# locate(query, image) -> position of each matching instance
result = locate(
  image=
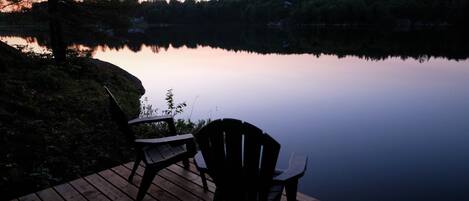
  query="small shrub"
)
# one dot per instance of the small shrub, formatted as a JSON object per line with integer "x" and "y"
{"x": 173, "y": 109}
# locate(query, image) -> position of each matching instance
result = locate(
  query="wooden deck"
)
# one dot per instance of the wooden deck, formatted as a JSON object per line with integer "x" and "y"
{"x": 171, "y": 184}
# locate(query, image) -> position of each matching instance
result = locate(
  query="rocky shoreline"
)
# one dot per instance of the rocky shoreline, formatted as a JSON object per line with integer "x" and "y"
{"x": 54, "y": 119}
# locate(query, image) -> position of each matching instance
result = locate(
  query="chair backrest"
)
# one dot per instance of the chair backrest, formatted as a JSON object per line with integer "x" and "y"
{"x": 119, "y": 116}
{"x": 240, "y": 158}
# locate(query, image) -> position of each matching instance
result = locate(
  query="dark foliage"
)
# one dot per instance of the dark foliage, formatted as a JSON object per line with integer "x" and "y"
{"x": 54, "y": 123}
{"x": 370, "y": 12}
{"x": 117, "y": 14}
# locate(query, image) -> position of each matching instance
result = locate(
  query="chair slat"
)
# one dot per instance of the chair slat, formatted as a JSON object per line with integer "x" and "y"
{"x": 252, "y": 149}
{"x": 217, "y": 141}
{"x": 270, "y": 151}
{"x": 233, "y": 146}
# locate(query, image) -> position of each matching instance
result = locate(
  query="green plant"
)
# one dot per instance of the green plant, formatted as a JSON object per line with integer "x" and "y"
{"x": 173, "y": 109}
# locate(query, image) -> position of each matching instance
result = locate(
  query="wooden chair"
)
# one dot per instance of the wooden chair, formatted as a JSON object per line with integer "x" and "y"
{"x": 157, "y": 153}
{"x": 241, "y": 160}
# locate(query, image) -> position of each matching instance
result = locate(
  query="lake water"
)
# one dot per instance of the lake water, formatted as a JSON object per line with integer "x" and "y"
{"x": 393, "y": 126}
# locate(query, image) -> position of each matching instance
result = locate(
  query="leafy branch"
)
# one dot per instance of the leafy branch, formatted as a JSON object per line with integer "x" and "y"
{"x": 172, "y": 108}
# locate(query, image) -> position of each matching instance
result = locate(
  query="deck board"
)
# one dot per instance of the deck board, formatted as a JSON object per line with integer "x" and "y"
{"x": 154, "y": 190}
{"x": 183, "y": 183}
{"x": 189, "y": 175}
{"x": 88, "y": 190}
{"x": 110, "y": 191}
{"x": 69, "y": 193}
{"x": 172, "y": 188}
{"x": 29, "y": 197}
{"x": 49, "y": 194}
{"x": 174, "y": 183}
{"x": 122, "y": 184}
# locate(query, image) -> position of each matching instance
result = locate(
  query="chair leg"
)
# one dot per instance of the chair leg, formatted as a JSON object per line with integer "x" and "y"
{"x": 291, "y": 189}
{"x": 217, "y": 195}
{"x": 148, "y": 177}
{"x": 204, "y": 180}
{"x": 134, "y": 168}
{"x": 185, "y": 163}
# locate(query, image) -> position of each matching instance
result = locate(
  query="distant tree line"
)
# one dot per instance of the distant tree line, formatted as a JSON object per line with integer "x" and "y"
{"x": 115, "y": 13}
{"x": 371, "y": 12}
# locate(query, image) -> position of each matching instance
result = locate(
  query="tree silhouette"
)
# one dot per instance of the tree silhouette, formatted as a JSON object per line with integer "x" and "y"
{"x": 55, "y": 28}
{"x": 56, "y": 34}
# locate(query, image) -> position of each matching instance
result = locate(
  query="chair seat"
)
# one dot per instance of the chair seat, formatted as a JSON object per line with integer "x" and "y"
{"x": 156, "y": 154}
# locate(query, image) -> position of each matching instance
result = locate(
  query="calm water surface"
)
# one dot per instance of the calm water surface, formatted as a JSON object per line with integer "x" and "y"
{"x": 391, "y": 129}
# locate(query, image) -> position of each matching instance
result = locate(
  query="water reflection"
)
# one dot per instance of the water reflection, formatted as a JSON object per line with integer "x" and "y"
{"x": 364, "y": 43}
{"x": 378, "y": 129}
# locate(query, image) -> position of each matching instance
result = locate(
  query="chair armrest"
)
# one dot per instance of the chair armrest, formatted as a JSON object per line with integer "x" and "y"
{"x": 150, "y": 119}
{"x": 199, "y": 162}
{"x": 166, "y": 140}
{"x": 296, "y": 169}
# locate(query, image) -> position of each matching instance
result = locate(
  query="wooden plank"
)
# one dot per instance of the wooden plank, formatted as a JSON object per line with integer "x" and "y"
{"x": 188, "y": 185}
{"x": 154, "y": 190}
{"x": 88, "y": 191}
{"x": 110, "y": 191}
{"x": 172, "y": 184}
{"x": 174, "y": 189}
{"x": 191, "y": 174}
{"x": 49, "y": 195}
{"x": 29, "y": 197}
{"x": 191, "y": 177}
{"x": 122, "y": 184}
{"x": 193, "y": 169}
{"x": 182, "y": 194}
{"x": 69, "y": 193}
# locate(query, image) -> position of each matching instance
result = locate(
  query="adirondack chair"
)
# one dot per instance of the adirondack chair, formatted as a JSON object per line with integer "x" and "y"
{"x": 241, "y": 160}
{"x": 157, "y": 153}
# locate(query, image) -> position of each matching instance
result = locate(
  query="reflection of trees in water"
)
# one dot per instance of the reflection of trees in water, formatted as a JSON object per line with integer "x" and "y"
{"x": 367, "y": 44}
{"x": 15, "y": 5}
